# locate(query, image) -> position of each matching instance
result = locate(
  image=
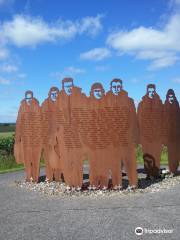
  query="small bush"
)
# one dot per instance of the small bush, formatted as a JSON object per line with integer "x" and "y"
{"x": 6, "y": 145}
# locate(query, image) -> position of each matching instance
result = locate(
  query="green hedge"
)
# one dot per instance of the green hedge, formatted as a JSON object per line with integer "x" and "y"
{"x": 6, "y": 145}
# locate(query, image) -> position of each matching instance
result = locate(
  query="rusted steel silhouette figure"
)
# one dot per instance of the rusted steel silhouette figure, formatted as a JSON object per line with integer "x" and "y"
{"x": 28, "y": 140}
{"x": 123, "y": 132}
{"x": 94, "y": 136}
{"x": 50, "y": 122}
{"x": 172, "y": 130}
{"x": 150, "y": 118}
{"x": 68, "y": 141}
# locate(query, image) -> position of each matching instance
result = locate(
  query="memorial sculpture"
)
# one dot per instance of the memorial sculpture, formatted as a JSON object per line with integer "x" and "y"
{"x": 150, "y": 119}
{"x": 50, "y": 121}
{"x": 172, "y": 130}
{"x": 103, "y": 129}
{"x": 28, "y": 139}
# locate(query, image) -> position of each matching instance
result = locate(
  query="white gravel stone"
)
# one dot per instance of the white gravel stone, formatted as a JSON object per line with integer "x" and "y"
{"x": 61, "y": 189}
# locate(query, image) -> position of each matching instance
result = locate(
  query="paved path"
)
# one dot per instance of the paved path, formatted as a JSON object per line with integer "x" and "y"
{"x": 30, "y": 215}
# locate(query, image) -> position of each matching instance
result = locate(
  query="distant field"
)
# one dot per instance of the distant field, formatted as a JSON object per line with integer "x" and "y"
{"x": 6, "y": 134}
{"x": 7, "y": 127}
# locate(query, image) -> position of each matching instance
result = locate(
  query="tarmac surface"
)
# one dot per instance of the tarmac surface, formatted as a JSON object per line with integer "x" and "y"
{"x": 30, "y": 215}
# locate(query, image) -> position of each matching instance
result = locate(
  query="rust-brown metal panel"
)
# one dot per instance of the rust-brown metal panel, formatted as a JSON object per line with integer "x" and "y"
{"x": 67, "y": 138}
{"x": 172, "y": 130}
{"x": 150, "y": 118}
{"x": 28, "y": 140}
{"x": 123, "y": 135}
{"x": 51, "y": 119}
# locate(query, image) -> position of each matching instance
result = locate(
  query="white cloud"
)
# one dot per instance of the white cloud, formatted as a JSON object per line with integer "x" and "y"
{"x": 28, "y": 31}
{"x": 160, "y": 59}
{"x": 4, "y": 81}
{"x": 177, "y": 80}
{"x": 135, "y": 80}
{"x": 22, "y": 75}
{"x": 161, "y": 46}
{"x": 74, "y": 70}
{"x": 102, "y": 68}
{"x": 8, "y": 68}
{"x": 174, "y": 3}
{"x": 6, "y": 3}
{"x": 2, "y": 2}
{"x": 91, "y": 25}
{"x": 163, "y": 62}
{"x": 4, "y": 53}
{"x": 68, "y": 72}
{"x": 96, "y": 54}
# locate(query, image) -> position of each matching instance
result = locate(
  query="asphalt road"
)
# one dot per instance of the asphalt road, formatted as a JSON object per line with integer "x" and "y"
{"x": 30, "y": 215}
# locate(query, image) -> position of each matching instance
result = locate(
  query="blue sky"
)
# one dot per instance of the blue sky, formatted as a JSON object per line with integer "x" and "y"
{"x": 41, "y": 42}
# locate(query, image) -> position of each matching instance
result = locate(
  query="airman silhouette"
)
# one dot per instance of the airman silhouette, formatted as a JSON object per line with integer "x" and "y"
{"x": 96, "y": 141}
{"x": 68, "y": 142}
{"x": 150, "y": 119}
{"x": 123, "y": 131}
{"x": 172, "y": 128}
{"x": 50, "y": 121}
{"x": 28, "y": 139}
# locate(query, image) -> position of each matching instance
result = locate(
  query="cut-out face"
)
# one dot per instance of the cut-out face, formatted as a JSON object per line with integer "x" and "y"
{"x": 151, "y": 92}
{"x": 28, "y": 97}
{"x": 98, "y": 93}
{"x": 68, "y": 87}
{"x": 171, "y": 98}
{"x": 97, "y": 90}
{"x": 53, "y": 95}
{"x": 116, "y": 87}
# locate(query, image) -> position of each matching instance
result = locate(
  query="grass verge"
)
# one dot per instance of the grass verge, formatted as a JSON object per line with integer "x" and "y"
{"x": 8, "y": 164}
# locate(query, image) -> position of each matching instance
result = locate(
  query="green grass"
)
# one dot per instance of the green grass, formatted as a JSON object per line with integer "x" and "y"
{"x": 18, "y": 168}
{"x": 8, "y": 162}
